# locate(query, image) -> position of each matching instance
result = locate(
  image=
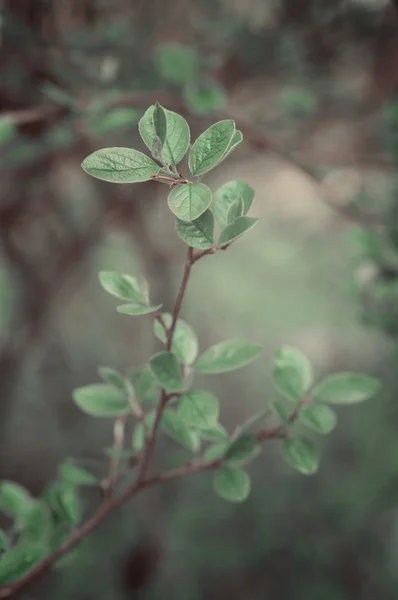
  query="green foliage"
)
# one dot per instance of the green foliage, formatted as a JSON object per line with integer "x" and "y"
{"x": 167, "y": 371}
{"x": 211, "y": 147}
{"x": 198, "y": 233}
{"x": 189, "y": 201}
{"x": 199, "y": 408}
{"x": 176, "y": 428}
{"x": 299, "y": 452}
{"x": 292, "y": 373}
{"x": 74, "y": 475}
{"x": 101, "y": 400}
{"x": 115, "y": 119}
{"x": 226, "y": 196}
{"x": 15, "y": 500}
{"x": 235, "y": 229}
{"x": 18, "y": 560}
{"x": 176, "y": 63}
{"x": 232, "y": 484}
{"x": 8, "y": 129}
{"x": 35, "y": 524}
{"x": 318, "y": 417}
{"x": 120, "y": 165}
{"x": 185, "y": 343}
{"x": 177, "y": 139}
{"x": 4, "y": 541}
{"x": 205, "y": 98}
{"x": 227, "y": 356}
{"x": 122, "y": 286}
{"x": 242, "y": 450}
{"x": 346, "y": 388}
{"x": 112, "y": 377}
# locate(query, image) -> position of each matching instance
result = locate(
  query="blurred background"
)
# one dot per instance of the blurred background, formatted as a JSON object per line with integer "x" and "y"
{"x": 313, "y": 86}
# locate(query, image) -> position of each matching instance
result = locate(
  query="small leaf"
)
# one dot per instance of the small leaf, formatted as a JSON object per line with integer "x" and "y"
{"x": 237, "y": 138}
{"x": 145, "y": 384}
{"x": 318, "y": 417}
{"x": 70, "y": 503}
{"x": 280, "y": 410}
{"x": 176, "y": 63}
{"x": 346, "y": 388}
{"x": 242, "y": 450}
{"x": 138, "y": 440}
{"x": 217, "y": 432}
{"x": 15, "y": 500}
{"x": 112, "y": 377}
{"x": 122, "y": 286}
{"x": 167, "y": 371}
{"x": 235, "y": 210}
{"x": 235, "y": 229}
{"x": 292, "y": 373}
{"x": 232, "y": 484}
{"x": 36, "y": 524}
{"x": 199, "y": 409}
{"x": 189, "y": 200}
{"x": 174, "y": 426}
{"x": 185, "y": 343}
{"x": 178, "y": 135}
{"x": 118, "y": 118}
{"x": 101, "y": 400}
{"x": 227, "y": 356}
{"x": 160, "y": 123}
{"x": 226, "y": 195}
{"x": 205, "y": 99}
{"x": 210, "y": 147}
{"x": 300, "y": 453}
{"x": 120, "y": 165}
{"x": 75, "y": 475}
{"x": 18, "y": 560}
{"x": 215, "y": 452}
{"x": 137, "y": 309}
{"x": 199, "y": 233}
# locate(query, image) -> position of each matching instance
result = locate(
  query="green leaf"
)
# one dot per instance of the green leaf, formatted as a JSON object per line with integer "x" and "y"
{"x": 167, "y": 370}
{"x": 232, "y": 484}
{"x": 280, "y": 410}
{"x": 242, "y": 450}
{"x": 226, "y": 195}
{"x": 18, "y": 560}
{"x": 4, "y": 541}
{"x": 101, "y": 400}
{"x": 300, "y": 453}
{"x": 36, "y": 524}
{"x": 217, "y": 432}
{"x": 235, "y": 229}
{"x": 176, "y": 63}
{"x": 70, "y": 503}
{"x": 120, "y": 165}
{"x": 227, "y": 356}
{"x": 237, "y": 138}
{"x": 189, "y": 200}
{"x": 8, "y": 129}
{"x": 15, "y": 500}
{"x": 292, "y": 373}
{"x": 199, "y": 233}
{"x": 137, "y": 309}
{"x": 205, "y": 99}
{"x": 346, "y": 388}
{"x": 210, "y": 147}
{"x": 318, "y": 417}
{"x": 185, "y": 343}
{"x": 178, "y": 135}
{"x": 160, "y": 123}
{"x": 118, "y": 118}
{"x": 122, "y": 286}
{"x": 75, "y": 475}
{"x": 199, "y": 409}
{"x": 174, "y": 426}
{"x": 215, "y": 452}
{"x": 112, "y": 377}
{"x": 145, "y": 384}
{"x": 139, "y": 431}
{"x": 235, "y": 210}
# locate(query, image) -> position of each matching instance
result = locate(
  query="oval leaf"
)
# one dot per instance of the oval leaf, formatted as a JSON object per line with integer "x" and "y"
{"x": 120, "y": 165}
{"x": 199, "y": 233}
{"x": 101, "y": 400}
{"x": 242, "y": 450}
{"x": 235, "y": 229}
{"x": 112, "y": 376}
{"x": 232, "y": 484}
{"x": 75, "y": 475}
{"x": 18, "y": 560}
{"x": 215, "y": 452}
{"x": 210, "y": 147}
{"x": 227, "y": 356}
{"x": 122, "y": 286}
{"x": 318, "y": 417}
{"x": 185, "y": 343}
{"x": 137, "y": 310}
{"x": 292, "y": 373}
{"x": 189, "y": 200}
{"x": 300, "y": 453}
{"x": 217, "y": 432}
{"x": 346, "y": 388}
{"x": 176, "y": 63}
{"x": 205, "y": 99}
{"x": 235, "y": 210}
{"x": 167, "y": 371}
{"x": 15, "y": 500}
{"x": 226, "y": 195}
{"x": 36, "y": 524}
{"x": 199, "y": 408}
{"x": 177, "y": 139}
{"x": 174, "y": 426}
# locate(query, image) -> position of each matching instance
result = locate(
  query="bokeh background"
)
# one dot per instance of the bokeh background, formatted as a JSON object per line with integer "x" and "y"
{"x": 311, "y": 83}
